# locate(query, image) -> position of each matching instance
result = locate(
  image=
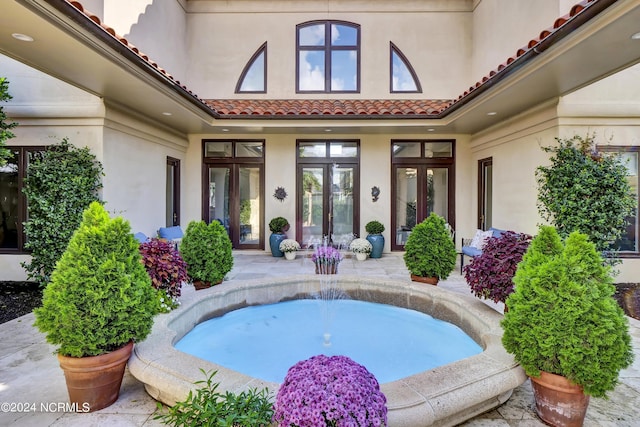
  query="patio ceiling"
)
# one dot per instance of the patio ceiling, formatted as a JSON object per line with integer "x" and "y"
{"x": 68, "y": 47}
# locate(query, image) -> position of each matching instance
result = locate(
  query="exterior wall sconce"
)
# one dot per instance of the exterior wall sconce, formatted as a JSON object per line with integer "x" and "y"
{"x": 375, "y": 193}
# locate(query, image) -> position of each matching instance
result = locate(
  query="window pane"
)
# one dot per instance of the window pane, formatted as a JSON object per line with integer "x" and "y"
{"x": 344, "y": 70}
{"x": 218, "y": 149}
{"x": 249, "y": 149}
{"x": 249, "y": 205}
{"x": 312, "y": 35}
{"x": 437, "y": 192}
{"x": 312, "y": 149}
{"x": 343, "y": 35}
{"x": 9, "y": 195}
{"x": 312, "y": 204}
{"x": 438, "y": 149}
{"x": 402, "y": 78}
{"x": 406, "y": 149}
{"x": 629, "y": 239}
{"x": 219, "y": 195}
{"x": 406, "y": 202}
{"x": 343, "y": 149}
{"x": 254, "y": 78}
{"x": 311, "y": 70}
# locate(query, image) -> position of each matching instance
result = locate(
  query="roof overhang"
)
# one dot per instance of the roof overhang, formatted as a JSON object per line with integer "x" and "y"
{"x": 74, "y": 49}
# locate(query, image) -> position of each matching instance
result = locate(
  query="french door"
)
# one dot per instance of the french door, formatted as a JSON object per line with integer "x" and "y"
{"x": 233, "y": 182}
{"x": 327, "y": 191}
{"x": 485, "y": 193}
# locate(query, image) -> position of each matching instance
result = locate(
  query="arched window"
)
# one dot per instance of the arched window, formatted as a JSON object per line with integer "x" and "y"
{"x": 403, "y": 78}
{"x": 254, "y": 75}
{"x": 328, "y": 57}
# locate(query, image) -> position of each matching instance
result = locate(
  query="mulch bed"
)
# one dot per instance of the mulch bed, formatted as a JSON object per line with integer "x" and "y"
{"x": 20, "y": 298}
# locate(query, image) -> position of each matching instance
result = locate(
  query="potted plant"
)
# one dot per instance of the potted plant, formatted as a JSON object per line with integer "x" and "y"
{"x": 207, "y": 251}
{"x": 279, "y": 227}
{"x": 98, "y": 303}
{"x": 375, "y": 237}
{"x": 289, "y": 247}
{"x": 361, "y": 247}
{"x": 564, "y": 327}
{"x": 430, "y": 254}
{"x": 326, "y": 259}
{"x": 167, "y": 270}
{"x": 490, "y": 274}
{"x": 330, "y": 391}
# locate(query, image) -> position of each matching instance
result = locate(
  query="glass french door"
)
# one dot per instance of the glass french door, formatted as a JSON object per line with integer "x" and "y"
{"x": 235, "y": 200}
{"x": 327, "y": 191}
{"x": 419, "y": 190}
{"x": 485, "y": 193}
{"x": 173, "y": 192}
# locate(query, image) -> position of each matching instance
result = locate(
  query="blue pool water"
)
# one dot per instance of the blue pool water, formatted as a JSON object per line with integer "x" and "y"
{"x": 265, "y": 341}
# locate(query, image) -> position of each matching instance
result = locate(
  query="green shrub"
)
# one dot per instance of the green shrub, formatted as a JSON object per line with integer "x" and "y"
{"x": 278, "y": 225}
{"x": 562, "y": 317}
{"x": 207, "y": 251}
{"x": 100, "y": 295}
{"x": 207, "y": 407}
{"x": 430, "y": 251}
{"x": 585, "y": 191}
{"x": 59, "y": 186}
{"x": 374, "y": 227}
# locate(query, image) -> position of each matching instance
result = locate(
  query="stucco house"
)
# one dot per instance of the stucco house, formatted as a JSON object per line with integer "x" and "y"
{"x": 201, "y": 109}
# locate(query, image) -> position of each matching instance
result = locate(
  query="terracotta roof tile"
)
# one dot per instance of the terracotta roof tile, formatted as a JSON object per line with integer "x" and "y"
{"x": 359, "y": 108}
{"x": 305, "y": 108}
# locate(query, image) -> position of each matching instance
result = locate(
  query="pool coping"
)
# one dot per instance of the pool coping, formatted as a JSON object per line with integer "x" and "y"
{"x": 447, "y": 395}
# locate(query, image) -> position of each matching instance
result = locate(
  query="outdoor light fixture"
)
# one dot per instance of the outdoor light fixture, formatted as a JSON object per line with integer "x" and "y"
{"x": 491, "y": 113}
{"x": 22, "y": 37}
{"x": 635, "y": 36}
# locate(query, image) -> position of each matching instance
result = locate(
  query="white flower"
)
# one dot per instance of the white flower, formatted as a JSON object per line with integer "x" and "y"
{"x": 361, "y": 246}
{"x": 289, "y": 245}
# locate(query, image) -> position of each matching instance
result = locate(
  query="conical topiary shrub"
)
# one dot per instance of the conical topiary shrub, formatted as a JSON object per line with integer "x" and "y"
{"x": 207, "y": 251}
{"x": 562, "y": 318}
{"x": 430, "y": 251}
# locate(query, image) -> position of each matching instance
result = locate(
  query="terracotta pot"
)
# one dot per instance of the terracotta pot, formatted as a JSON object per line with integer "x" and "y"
{"x": 326, "y": 268}
{"x": 94, "y": 382}
{"x": 428, "y": 280}
{"x": 559, "y": 402}
{"x": 199, "y": 285}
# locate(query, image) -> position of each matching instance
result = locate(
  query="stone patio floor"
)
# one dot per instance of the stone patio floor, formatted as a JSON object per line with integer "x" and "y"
{"x": 31, "y": 380}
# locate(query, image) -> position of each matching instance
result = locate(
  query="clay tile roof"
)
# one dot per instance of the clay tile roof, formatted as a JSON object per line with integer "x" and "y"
{"x": 238, "y": 108}
{"x": 306, "y": 108}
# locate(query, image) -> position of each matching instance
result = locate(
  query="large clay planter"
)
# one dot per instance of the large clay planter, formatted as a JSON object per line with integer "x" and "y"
{"x": 559, "y": 402}
{"x": 428, "y": 280}
{"x": 94, "y": 382}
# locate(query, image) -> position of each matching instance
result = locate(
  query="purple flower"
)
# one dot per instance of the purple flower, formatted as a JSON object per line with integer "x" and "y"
{"x": 326, "y": 255}
{"x": 330, "y": 391}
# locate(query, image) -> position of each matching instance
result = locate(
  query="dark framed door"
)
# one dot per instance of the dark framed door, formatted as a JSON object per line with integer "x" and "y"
{"x": 485, "y": 193}
{"x": 327, "y": 191}
{"x": 173, "y": 192}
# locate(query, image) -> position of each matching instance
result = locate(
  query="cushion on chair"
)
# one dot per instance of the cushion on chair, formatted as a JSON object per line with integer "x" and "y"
{"x": 140, "y": 237}
{"x": 170, "y": 233}
{"x": 471, "y": 251}
{"x": 480, "y": 239}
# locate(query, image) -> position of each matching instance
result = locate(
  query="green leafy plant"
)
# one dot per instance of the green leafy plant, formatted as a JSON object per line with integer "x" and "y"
{"x": 208, "y": 407}
{"x": 100, "y": 296}
{"x": 5, "y": 126}
{"x": 279, "y": 225}
{"x": 207, "y": 251}
{"x": 562, "y": 317}
{"x": 374, "y": 227}
{"x": 60, "y": 185}
{"x": 583, "y": 190}
{"x": 429, "y": 251}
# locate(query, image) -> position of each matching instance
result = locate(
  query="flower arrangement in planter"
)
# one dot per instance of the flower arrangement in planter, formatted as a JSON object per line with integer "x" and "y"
{"x": 564, "y": 326}
{"x": 328, "y": 391}
{"x": 490, "y": 274}
{"x": 361, "y": 247}
{"x": 278, "y": 227}
{"x": 289, "y": 247}
{"x": 207, "y": 251}
{"x": 166, "y": 269}
{"x": 375, "y": 237}
{"x": 326, "y": 258}
{"x": 98, "y": 303}
{"x": 430, "y": 254}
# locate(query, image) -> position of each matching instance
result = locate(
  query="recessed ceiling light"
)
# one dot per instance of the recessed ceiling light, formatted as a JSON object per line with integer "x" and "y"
{"x": 635, "y": 36}
{"x": 491, "y": 113}
{"x": 224, "y": 130}
{"x": 430, "y": 130}
{"x": 166, "y": 113}
{"x": 22, "y": 37}
{"x": 327, "y": 130}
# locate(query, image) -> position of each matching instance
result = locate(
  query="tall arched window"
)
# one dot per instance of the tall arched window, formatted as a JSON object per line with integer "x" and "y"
{"x": 254, "y": 75}
{"x": 403, "y": 77}
{"x": 328, "y": 57}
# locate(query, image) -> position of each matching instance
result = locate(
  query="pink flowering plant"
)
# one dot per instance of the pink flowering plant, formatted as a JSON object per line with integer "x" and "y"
{"x": 330, "y": 391}
{"x": 326, "y": 255}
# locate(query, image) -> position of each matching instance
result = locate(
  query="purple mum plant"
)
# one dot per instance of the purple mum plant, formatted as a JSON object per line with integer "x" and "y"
{"x": 326, "y": 255}
{"x": 490, "y": 274}
{"x": 330, "y": 391}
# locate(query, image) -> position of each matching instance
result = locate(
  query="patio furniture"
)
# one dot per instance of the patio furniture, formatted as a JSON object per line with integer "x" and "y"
{"x": 473, "y": 247}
